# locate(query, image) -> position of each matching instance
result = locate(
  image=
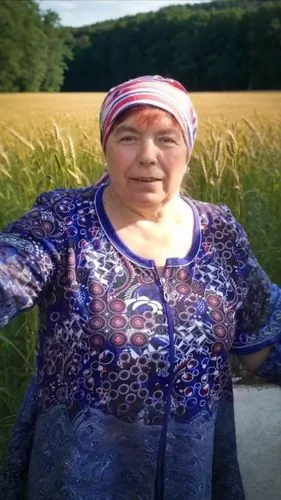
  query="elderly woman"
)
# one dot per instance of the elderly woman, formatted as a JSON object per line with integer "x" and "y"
{"x": 142, "y": 295}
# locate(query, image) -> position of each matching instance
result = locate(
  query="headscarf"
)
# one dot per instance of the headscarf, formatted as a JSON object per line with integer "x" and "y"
{"x": 163, "y": 93}
{"x": 157, "y": 91}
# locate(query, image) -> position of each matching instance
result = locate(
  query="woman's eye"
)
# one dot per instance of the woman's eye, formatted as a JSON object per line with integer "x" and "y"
{"x": 167, "y": 140}
{"x": 127, "y": 138}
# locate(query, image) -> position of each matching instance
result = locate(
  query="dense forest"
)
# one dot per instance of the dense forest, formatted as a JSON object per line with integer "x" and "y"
{"x": 220, "y": 45}
{"x": 34, "y": 48}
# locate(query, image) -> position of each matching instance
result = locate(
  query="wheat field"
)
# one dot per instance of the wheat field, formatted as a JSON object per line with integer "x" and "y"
{"x": 52, "y": 140}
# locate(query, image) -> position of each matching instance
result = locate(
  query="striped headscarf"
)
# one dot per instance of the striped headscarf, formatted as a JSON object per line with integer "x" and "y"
{"x": 163, "y": 93}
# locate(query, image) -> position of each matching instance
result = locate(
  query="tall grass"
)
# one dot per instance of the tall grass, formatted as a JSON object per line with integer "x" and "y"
{"x": 52, "y": 141}
{"x": 239, "y": 164}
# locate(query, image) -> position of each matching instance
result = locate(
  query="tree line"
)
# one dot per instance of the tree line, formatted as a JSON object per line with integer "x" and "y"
{"x": 34, "y": 48}
{"x": 221, "y": 45}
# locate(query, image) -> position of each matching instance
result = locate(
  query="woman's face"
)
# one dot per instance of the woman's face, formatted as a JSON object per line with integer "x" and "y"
{"x": 146, "y": 158}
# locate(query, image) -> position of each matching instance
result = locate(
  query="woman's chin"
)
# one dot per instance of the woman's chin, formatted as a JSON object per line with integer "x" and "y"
{"x": 147, "y": 198}
{"x": 146, "y": 190}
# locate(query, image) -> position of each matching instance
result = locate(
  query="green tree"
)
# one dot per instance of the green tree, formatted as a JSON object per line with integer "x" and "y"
{"x": 57, "y": 52}
{"x": 220, "y": 45}
{"x": 33, "y": 48}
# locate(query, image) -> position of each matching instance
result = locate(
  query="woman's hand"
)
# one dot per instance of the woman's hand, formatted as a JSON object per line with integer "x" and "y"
{"x": 254, "y": 361}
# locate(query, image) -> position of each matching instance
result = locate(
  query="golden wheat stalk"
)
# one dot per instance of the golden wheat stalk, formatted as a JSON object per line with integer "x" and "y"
{"x": 22, "y": 139}
{"x": 4, "y": 155}
{"x": 253, "y": 128}
{"x": 4, "y": 171}
{"x": 57, "y": 132}
{"x": 233, "y": 144}
{"x": 72, "y": 150}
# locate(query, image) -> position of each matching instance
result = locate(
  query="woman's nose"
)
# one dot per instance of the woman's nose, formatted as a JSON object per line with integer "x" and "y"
{"x": 147, "y": 152}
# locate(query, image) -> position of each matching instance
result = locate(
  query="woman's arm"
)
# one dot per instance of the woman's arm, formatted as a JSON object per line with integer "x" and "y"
{"x": 258, "y": 319}
{"x": 25, "y": 268}
{"x": 29, "y": 258}
{"x": 255, "y": 360}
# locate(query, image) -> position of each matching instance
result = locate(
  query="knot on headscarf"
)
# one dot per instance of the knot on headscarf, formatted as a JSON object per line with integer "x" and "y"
{"x": 157, "y": 91}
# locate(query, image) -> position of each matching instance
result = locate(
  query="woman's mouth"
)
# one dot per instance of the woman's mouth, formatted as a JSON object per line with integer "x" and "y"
{"x": 146, "y": 179}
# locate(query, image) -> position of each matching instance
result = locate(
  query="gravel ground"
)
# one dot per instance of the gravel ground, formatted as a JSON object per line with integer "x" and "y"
{"x": 258, "y": 426}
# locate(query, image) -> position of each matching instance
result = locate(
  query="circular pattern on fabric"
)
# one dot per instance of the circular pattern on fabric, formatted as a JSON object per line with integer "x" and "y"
{"x": 47, "y": 226}
{"x": 137, "y": 322}
{"x": 124, "y": 375}
{"x": 188, "y": 391}
{"x": 65, "y": 279}
{"x": 117, "y": 322}
{"x": 217, "y": 316}
{"x": 193, "y": 363}
{"x": 117, "y": 305}
{"x": 113, "y": 394}
{"x": 139, "y": 339}
{"x": 142, "y": 377}
{"x": 183, "y": 289}
{"x": 220, "y": 331}
{"x": 96, "y": 341}
{"x": 123, "y": 389}
{"x": 96, "y": 322}
{"x": 96, "y": 289}
{"x": 135, "y": 370}
{"x": 187, "y": 376}
{"x": 106, "y": 385}
{"x": 123, "y": 408}
{"x": 217, "y": 348}
{"x": 106, "y": 357}
{"x": 118, "y": 339}
{"x": 96, "y": 306}
{"x": 213, "y": 301}
{"x": 143, "y": 393}
{"x": 38, "y": 233}
{"x": 230, "y": 316}
{"x": 142, "y": 360}
{"x": 130, "y": 398}
{"x": 125, "y": 357}
{"x": 220, "y": 246}
{"x": 54, "y": 316}
{"x": 182, "y": 275}
{"x": 227, "y": 255}
{"x": 112, "y": 376}
{"x": 148, "y": 315}
{"x": 149, "y": 325}
{"x": 219, "y": 235}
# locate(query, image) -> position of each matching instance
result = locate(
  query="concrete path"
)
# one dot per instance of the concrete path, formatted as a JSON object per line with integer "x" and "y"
{"x": 258, "y": 426}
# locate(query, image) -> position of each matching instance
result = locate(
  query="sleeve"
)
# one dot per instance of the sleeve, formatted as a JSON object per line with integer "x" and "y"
{"x": 258, "y": 321}
{"x": 29, "y": 258}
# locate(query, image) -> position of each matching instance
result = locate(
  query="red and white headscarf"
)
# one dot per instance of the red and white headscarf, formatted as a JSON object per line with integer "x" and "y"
{"x": 163, "y": 93}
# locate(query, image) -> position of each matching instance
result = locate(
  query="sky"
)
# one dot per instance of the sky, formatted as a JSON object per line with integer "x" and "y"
{"x": 84, "y": 12}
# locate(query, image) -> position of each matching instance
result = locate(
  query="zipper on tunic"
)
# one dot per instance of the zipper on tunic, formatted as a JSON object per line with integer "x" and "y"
{"x": 159, "y": 489}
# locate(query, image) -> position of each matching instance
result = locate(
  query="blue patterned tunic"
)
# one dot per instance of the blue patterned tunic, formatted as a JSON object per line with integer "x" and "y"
{"x": 132, "y": 395}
